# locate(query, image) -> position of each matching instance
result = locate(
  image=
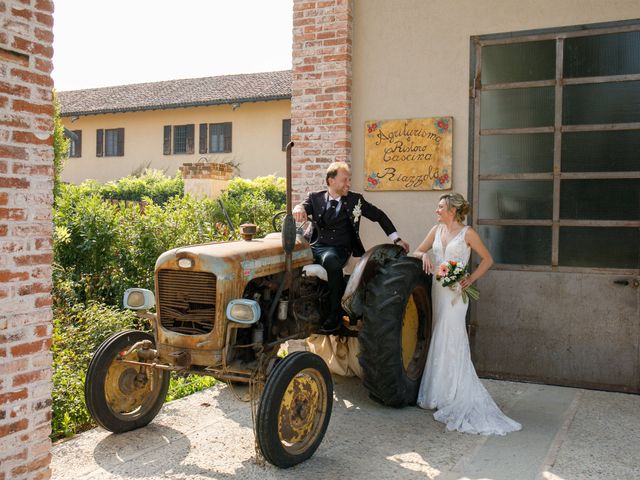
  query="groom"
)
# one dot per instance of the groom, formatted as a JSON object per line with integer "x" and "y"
{"x": 337, "y": 213}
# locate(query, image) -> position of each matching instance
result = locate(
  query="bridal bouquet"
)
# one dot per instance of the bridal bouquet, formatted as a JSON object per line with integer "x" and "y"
{"x": 450, "y": 273}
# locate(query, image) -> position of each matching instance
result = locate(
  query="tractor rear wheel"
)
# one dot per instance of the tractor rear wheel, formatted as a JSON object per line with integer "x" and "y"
{"x": 295, "y": 409}
{"x": 395, "y": 336}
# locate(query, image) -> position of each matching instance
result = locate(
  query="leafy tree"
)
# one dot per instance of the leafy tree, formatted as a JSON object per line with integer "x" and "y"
{"x": 60, "y": 146}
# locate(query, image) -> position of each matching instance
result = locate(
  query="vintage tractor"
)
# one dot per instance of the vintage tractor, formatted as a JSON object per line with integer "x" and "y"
{"x": 224, "y": 309}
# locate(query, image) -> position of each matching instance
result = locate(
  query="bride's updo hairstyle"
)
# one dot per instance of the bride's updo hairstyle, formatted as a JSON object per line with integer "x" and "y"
{"x": 457, "y": 201}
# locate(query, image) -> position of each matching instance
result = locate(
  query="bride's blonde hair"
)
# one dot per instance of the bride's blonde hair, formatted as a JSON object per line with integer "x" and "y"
{"x": 457, "y": 201}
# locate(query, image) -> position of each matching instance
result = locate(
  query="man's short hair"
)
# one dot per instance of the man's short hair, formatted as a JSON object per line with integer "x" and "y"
{"x": 332, "y": 170}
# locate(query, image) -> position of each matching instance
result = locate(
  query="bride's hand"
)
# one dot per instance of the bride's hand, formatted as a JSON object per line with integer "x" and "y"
{"x": 426, "y": 263}
{"x": 466, "y": 282}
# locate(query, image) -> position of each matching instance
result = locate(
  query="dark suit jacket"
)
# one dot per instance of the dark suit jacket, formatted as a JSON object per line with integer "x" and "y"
{"x": 357, "y": 207}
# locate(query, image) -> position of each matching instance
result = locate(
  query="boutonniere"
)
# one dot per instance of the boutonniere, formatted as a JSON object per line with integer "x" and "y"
{"x": 357, "y": 211}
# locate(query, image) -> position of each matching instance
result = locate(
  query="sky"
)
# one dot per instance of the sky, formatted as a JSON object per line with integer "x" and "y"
{"x": 99, "y": 43}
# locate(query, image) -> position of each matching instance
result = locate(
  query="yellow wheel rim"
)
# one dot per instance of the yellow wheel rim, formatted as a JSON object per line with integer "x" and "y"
{"x": 302, "y": 410}
{"x": 410, "y": 325}
{"x": 125, "y": 389}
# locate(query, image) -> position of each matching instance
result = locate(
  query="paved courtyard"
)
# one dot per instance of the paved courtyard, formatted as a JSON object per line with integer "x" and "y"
{"x": 567, "y": 434}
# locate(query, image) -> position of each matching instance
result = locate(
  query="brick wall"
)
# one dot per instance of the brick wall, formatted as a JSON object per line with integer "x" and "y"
{"x": 321, "y": 91}
{"x": 206, "y": 179}
{"x": 26, "y": 171}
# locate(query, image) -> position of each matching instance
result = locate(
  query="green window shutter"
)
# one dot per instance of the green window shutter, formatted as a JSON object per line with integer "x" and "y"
{"x": 190, "y": 138}
{"x": 227, "y": 137}
{"x": 286, "y": 132}
{"x": 99, "y": 142}
{"x": 203, "y": 138}
{"x": 78, "y": 151}
{"x": 166, "y": 144}
{"x": 120, "y": 148}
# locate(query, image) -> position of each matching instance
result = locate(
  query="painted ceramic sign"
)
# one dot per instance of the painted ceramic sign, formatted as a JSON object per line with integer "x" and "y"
{"x": 413, "y": 154}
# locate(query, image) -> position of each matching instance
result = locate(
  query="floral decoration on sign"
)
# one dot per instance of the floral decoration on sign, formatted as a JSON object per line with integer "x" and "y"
{"x": 442, "y": 125}
{"x": 372, "y": 127}
{"x": 442, "y": 181}
{"x": 372, "y": 180}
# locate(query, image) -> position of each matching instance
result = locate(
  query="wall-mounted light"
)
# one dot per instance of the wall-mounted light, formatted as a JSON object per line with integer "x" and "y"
{"x": 235, "y": 106}
{"x": 74, "y": 118}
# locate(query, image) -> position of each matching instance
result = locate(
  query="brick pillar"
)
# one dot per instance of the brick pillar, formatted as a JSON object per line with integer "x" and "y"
{"x": 205, "y": 179}
{"x": 321, "y": 91}
{"x": 26, "y": 181}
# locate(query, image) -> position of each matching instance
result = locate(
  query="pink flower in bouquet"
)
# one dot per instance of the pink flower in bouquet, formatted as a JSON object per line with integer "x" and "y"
{"x": 443, "y": 270}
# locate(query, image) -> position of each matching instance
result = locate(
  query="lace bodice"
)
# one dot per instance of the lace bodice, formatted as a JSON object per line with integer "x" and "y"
{"x": 457, "y": 249}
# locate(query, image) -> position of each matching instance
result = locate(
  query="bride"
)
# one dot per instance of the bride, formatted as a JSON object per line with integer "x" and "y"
{"x": 449, "y": 382}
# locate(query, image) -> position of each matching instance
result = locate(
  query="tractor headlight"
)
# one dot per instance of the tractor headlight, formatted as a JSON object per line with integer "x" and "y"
{"x": 139, "y": 299}
{"x": 243, "y": 311}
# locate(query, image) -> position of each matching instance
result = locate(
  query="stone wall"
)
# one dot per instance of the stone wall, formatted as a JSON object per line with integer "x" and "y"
{"x": 26, "y": 181}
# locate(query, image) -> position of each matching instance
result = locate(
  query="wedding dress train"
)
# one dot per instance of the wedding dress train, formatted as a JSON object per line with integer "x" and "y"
{"x": 449, "y": 382}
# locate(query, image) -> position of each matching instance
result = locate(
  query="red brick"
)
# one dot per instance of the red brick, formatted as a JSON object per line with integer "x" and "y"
{"x": 44, "y": 19}
{"x": 4, "y": 198}
{"x": 31, "y": 77}
{"x": 17, "y": 90}
{"x": 18, "y": 153}
{"x": 22, "y": 455}
{"x": 30, "y": 348}
{"x": 34, "y": 288}
{"x": 21, "y": 169}
{"x": 10, "y": 276}
{"x": 13, "y": 396}
{"x": 44, "y": 5}
{"x": 3, "y": 102}
{"x": 28, "y": 137}
{"x": 41, "y": 330}
{"x": 44, "y": 35}
{"x": 42, "y": 462}
{"x": 22, "y": 13}
{"x": 22, "y": 106}
{"x": 44, "y": 301}
{"x": 3, "y": 352}
{"x": 14, "y": 121}
{"x": 43, "y": 258}
{"x": 25, "y": 378}
{"x": 45, "y": 66}
{"x": 15, "y": 214}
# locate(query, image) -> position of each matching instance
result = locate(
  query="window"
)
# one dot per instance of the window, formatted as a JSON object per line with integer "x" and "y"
{"x": 110, "y": 142}
{"x": 183, "y": 139}
{"x": 215, "y": 137}
{"x": 286, "y": 132}
{"x": 556, "y": 172}
{"x": 75, "y": 144}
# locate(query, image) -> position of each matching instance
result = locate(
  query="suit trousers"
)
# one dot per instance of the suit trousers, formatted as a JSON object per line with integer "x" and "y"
{"x": 333, "y": 258}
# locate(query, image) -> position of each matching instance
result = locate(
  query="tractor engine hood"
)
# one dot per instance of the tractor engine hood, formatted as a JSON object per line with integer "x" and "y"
{"x": 240, "y": 259}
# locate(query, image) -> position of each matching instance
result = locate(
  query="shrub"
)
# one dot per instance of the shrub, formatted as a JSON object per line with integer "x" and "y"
{"x": 77, "y": 333}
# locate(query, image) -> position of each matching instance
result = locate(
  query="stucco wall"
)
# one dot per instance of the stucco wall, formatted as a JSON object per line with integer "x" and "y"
{"x": 411, "y": 60}
{"x": 256, "y": 137}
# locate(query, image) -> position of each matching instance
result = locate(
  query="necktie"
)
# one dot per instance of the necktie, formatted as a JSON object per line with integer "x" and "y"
{"x": 330, "y": 212}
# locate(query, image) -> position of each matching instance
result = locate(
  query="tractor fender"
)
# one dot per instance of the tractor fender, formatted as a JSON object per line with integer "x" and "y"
{"x": 365, "y": 270}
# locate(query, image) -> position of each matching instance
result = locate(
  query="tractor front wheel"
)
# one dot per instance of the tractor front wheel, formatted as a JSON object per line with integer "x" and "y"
{"x": 295, "y": 409}
{"x": 119, "y": 396}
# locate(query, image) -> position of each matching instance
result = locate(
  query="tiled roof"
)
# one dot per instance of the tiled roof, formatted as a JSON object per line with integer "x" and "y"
{"x": 249, "y": 87}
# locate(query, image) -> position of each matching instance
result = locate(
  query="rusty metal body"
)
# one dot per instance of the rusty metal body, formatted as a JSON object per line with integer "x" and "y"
{"x": 191, "y": 328}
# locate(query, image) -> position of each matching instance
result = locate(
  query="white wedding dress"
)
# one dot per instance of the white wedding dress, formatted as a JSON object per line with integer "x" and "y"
{"x": 449, "y": 382}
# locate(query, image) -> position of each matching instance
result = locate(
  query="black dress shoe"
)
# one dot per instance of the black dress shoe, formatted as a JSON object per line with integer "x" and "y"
{"x": 328, "y": 328}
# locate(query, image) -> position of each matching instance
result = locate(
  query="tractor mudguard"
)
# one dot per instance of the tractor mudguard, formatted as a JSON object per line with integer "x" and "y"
{"x": 365, "y": 270}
